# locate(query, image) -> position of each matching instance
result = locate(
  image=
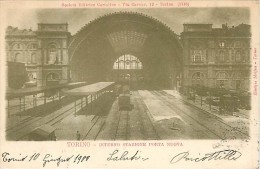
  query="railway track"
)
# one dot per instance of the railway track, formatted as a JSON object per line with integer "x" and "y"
{"x": 36, "y": 113}
{"x": 206, "y": 113}
{"x": 211, "y": 123}
{"x": 98, "y": 123}
{"x": 96, "y": 118}
{"x": 204, "y": 126}
{"x": 35, "y": 117}
{"x": 128, "y": 125}
{"x": 135, "y": 124}
{"x": 96, "y": 127}
{"x": 122, "y": 127}
{"x": 21, "y": 130}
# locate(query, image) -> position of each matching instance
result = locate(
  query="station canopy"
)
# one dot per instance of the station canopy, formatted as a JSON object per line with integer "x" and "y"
{"x": 90, "y": 89}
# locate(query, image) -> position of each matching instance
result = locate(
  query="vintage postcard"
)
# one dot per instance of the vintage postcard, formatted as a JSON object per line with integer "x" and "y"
{"x": 129, "y": 84}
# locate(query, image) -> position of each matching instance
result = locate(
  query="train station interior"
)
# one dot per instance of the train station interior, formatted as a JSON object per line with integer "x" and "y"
{"x": 126, "y": 81}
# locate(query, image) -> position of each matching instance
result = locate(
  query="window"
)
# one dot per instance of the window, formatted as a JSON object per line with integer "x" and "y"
{"x": 197, "y": 56}
{"x": 19, "y": 58}
{"x": 52, "y": 57}
{"x": 127, "y": 62}
{"x": 134, "y": 64}
{"x": 222, "y": 80}
{"x": 222, "y": 75}
{"x": 17, "y": 46}
{"x": 32, "y": 46}
{"x": 120, "y": 65}
{"x": 222, "y": 44}
{"x": 238, "y": 84}
{"x": 238, "y": 57}
{"x": 237, "y": 44}
{"x": 238, "y": 80}
{"x": 197, "y": 78}
{"x": 222, "y": 56}
{"x": 33, "y": 58}
{"x": 52, "y": 76}
{"x": 32, "y": 77}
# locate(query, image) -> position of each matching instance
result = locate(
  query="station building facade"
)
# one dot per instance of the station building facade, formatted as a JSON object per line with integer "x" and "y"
{"x": 216, "y": 57}
{"x": 212, "y": 57}
{"x": 22, "y": 47}
{"x": 44, "y": 52}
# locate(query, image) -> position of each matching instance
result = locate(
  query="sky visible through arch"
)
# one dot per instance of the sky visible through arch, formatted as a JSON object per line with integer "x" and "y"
{"x": 172, "y": 17}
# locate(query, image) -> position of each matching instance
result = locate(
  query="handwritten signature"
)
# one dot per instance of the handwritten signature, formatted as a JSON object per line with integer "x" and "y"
{"x": 47, "y": 158}
{"x": 218, "y": 155}
{"x": 126, "y": 156}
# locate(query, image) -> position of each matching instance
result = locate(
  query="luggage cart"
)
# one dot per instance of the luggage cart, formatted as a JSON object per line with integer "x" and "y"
{"x": 43, "y": 133}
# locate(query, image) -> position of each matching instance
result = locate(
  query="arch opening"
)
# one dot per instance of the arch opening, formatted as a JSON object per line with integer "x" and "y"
{"x": 94, "y": 51}
{"x": 52, "y": 79}
{"x": 127, "y": 69}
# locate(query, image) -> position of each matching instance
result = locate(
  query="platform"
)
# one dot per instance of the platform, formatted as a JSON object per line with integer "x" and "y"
{"x": 156, "y": 115}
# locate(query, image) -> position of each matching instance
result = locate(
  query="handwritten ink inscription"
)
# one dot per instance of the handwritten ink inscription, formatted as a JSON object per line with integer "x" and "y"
{"x": 47, "y": 158}
{"x": 230, "y": 155}
{"x": 126, "y": 156}
{"x": 117, "y": 155}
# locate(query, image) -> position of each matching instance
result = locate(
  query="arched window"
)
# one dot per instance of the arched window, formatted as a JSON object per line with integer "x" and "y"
{"x": 32, "y": 46}
{"x": 17, "y": 46}
{"x": 222, "y": 56}
{"x": 52, "y": 77}
{"x": 222, "y": 79}
{"x": 18, "y": 57}
{"x": 52, "y": 57}
{"x": 238, "y": 79}
{"x": 239, "y": 56}
{"x": 33, "y": 58}
{"x": 197, "y": 78}
{"x": 127, "y": 62}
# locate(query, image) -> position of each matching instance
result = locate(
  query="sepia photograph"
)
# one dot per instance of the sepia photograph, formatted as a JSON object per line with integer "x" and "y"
{"x": 127, "y": 81}
{"x": 129, "y": 75}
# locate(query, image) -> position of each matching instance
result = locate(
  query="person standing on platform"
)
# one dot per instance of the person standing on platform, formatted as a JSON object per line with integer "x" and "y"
{"x": 78, "y": 135}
